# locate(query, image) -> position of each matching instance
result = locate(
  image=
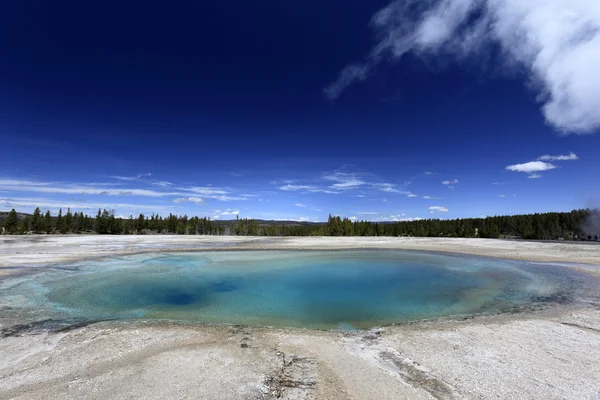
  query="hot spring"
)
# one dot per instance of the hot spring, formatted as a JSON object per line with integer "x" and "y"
{"x": 309, "y": 289}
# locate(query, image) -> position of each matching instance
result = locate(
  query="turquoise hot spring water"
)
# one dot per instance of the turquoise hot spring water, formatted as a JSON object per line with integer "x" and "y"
{"x": 307, "y": 289}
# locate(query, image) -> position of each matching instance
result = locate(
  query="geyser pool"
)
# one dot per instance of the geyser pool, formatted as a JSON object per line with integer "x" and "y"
{"x": 310, "y": 289}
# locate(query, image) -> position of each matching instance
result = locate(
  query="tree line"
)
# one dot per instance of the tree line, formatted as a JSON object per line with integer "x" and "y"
{"x": 556, "y": 225}
{"x": 106, "y": 223}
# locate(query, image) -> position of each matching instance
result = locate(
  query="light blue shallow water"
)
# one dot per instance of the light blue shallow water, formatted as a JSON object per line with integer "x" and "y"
{"x": 357, "y": 289}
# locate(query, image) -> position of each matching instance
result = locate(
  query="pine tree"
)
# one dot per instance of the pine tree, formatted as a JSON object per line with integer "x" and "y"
{"x": 140, "y": 224}
{"x": 37, "y": 224}
{"x": 98, "y": 225}
{"x": 59, "y": 220}
{"x": 47, "y": 223}
{"x": 11, "y": 225}
{"x": 25, "y": 225}
{"x": 66, "y": 222}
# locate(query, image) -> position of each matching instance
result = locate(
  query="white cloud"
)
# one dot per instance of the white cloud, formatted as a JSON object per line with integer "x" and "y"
{"x": 162, "y": 183}
{"x": 23, "y": 203}
{"x": 102, "y": 189}
{"x": 236, "y": 212}
{"x": 295, "y": 188}
{"x": 387, "y": 187}
{"x": 344, "y": 181}
{"x": 17, "y": 182}
{"x": 78, "y": 189}
{"x": 132, "y": 178}
{"x": 534, "y": 176}
{"x": 450, "y": 182}
{"x": 435, "y": 209}
{"x": 196, "y": 200}
{"x": 207, "y": 190}
{"x": 555, "y": 42}
{"x": 398, "y": 218}
{"x": 431, "y": 198}
{"x": 568, "y": 157}
{"x": 501, "y": 195}
{"x": 532, "y": 166}
{"x": 348, "y": 75}
{"x": 323, "y": 191}
{"x": 217, "y": 214}
{"x": 300, "y": 205}
{"x": 412, "y": 195}
{"x": 215, "y": 193}
{"x": 353, "y": 219}
{"x": 430, "y": 173}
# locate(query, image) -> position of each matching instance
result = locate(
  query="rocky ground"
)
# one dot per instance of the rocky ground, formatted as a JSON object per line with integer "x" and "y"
{"x": 535, "y": 357}
{"x": 548, "y": 353}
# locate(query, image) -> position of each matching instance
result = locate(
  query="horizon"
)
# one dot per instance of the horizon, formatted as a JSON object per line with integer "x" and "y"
{"x": 379, "y": 111}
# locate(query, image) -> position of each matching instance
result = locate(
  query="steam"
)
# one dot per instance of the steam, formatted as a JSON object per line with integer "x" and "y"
{"x": 555, "y": 42}
{"x": 592, "y": 223}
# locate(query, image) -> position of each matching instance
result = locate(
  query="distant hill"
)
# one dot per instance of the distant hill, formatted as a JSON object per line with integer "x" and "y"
{"x": 4, "y": 214}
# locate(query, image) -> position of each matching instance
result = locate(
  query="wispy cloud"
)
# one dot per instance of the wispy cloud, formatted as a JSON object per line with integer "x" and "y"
{"x": 341, "y": 181}
{"x": 410, "y": 219}
{"x": 132, "y": 178}
{"x": 28, "y": 203}
{"x": 162, "y": 183}
{"x": 534, "y": 176}
{"x": 434, "y": 209}
{"x": 431, "y": 198}
{"x": 209, "y": 192}
{"x": 218, "y": 214}
{"x": 397, "y": 218}
{"x": 300, "y": 205}
{"x": 387, "y": 187}
{"x": 196, "y": 200}
{"x": 295, "y": 188}
{"x": 450, "y": 182}
{"x": 555, "y": 42}
{"x": 568, "y": 157}
{"x": 101, "y": 189}
{"x": 501, "y": 195}
{"x": 78, "y": 189}
{"x": 344, "y": 181}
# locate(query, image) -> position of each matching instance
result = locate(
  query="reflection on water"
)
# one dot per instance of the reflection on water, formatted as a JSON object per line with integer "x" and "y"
{"x": 296, "y": 289}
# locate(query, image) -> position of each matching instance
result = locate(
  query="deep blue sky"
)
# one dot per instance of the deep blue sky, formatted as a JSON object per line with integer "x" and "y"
{"x": 222, "y": 103}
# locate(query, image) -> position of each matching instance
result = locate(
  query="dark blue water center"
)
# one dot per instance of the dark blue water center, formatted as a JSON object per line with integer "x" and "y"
{"x": 297, "y": 289}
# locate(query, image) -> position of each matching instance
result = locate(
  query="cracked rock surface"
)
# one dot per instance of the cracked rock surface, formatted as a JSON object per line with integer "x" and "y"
{"x": 548, "y": 355}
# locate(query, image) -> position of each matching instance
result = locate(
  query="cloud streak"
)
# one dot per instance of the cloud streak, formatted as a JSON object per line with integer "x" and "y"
{"x": 555, "y": 42}
{"x": 196, "y": 200}
{"x": 102, "y": 189}
{"x": 568, "y": 157}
